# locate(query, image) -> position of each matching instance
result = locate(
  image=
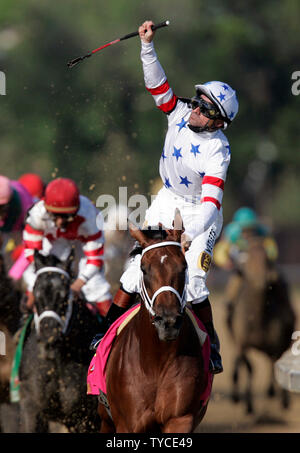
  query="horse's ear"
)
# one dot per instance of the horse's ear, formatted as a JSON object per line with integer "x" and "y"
{"x": 178, "y": 227}
{"x": 178, "y": 222}
{"x": 137, "y": 234}
{"x": 38, "y": 260}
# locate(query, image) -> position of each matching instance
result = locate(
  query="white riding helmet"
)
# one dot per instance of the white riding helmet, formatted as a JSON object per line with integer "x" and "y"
{"x": 223, "y": 96}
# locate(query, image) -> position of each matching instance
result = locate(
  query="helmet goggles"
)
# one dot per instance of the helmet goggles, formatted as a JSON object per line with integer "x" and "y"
{"x": 67, "y": 217}
{"x": 207, "y": 108}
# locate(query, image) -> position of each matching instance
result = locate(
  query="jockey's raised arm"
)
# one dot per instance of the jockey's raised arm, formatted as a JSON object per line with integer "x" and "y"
{"x": 155, "y": 78}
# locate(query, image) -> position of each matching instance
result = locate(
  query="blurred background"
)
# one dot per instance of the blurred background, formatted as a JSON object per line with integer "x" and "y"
{"x": 96, "y": 123}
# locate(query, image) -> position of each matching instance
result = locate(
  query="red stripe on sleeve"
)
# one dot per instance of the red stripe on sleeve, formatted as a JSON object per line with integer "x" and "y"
{"x": 213, "y": 200}
{"x": 214, "y": 181}
{"x": 31, "y": 230}
{"x": 33, "y": 245}
{"x": 97, "y": 263}
{"x": 96, "y": 252}
{"x": 159, "y": 90}
{"x": 30, "y": 258}
{"x": 168, "y": 106}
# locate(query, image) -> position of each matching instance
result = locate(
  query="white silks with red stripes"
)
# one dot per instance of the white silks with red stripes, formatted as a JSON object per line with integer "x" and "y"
{"x": 40, "y": 229}
{"x": 82, "y": 233}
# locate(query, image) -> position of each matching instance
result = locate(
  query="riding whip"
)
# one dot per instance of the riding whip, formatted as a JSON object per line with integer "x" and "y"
{"x": 74, "y": 62}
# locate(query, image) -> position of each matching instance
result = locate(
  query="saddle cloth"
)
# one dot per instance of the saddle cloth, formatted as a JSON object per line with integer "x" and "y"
{"x": 96, "y": 377}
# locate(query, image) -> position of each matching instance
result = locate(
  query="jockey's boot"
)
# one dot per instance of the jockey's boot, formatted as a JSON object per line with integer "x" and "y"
{"x": 204, "y": 313}
{"x": 122, "y": 301}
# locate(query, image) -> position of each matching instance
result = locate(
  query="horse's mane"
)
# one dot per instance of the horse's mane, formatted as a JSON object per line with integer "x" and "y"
{"x": 151, "y": 233}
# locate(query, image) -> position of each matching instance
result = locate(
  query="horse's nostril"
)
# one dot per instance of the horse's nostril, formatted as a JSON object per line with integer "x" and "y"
{"x": 157, "y": 320}
{"x": 168, "y": 322}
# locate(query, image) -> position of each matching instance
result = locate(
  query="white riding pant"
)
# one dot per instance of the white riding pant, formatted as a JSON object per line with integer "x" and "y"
{"x": 96, "y": 289}
{"x": 199, "y": 255}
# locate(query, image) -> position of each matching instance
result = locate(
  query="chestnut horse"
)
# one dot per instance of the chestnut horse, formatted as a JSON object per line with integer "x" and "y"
{"x": 155, "y": 372}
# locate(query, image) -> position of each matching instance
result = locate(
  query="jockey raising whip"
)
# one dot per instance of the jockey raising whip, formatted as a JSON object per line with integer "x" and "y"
{"x": 74, "y": 62}
{"x": 193, "y": 169}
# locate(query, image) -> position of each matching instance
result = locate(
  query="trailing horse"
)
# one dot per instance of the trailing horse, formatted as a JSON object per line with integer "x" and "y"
{"x": 262, "y": 318}
{"x": 10, "y": 316}
{"x": 156, "y": 374}
{"x": 56, "y": 354}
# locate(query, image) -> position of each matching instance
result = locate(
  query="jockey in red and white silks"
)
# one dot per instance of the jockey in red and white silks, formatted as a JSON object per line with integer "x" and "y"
{"x": 193, "y": 169}
{"x": 42, "y": 233}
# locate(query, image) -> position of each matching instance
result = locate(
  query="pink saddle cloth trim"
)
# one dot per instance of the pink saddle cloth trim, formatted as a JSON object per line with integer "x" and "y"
{"x": 96, "y": 378}
{"x": 18, "y": 268}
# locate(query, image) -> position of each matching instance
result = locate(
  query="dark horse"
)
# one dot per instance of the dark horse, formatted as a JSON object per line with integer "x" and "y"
{"x": 10, "y": 316}
{"x": 155, "y": 371}
{"x": 263, "y": 318}
{"x": 56, "y": 354}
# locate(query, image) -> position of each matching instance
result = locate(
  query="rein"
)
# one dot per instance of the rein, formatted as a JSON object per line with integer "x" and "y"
{"x": 149, "y": 301}
{"x": 50, "y": 313}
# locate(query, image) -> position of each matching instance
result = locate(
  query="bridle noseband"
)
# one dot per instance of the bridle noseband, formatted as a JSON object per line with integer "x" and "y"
{"x": 149, "y": 301}
{"x": 50, "y": 313}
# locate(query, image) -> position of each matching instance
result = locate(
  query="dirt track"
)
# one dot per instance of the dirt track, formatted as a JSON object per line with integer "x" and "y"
{"x": 222, "y": 415}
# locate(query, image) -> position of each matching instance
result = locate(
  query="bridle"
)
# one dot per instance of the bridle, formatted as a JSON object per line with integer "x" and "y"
{"x": 50, "y": 313}
{"x": 149, "y": 301}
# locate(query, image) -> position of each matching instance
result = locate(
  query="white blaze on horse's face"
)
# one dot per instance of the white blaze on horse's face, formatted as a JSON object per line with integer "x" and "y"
{"x": 163, "y": 259}
{"x": 50, "y": 313}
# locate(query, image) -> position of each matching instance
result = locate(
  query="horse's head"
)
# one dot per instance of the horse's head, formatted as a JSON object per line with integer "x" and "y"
{"x": 163, "y": 276}
{"x": 53, "y": 303}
